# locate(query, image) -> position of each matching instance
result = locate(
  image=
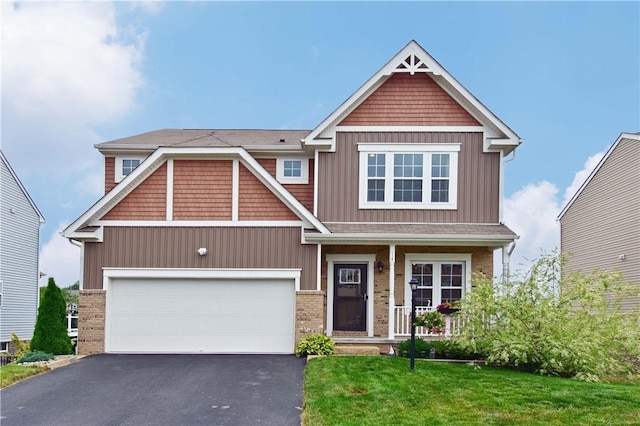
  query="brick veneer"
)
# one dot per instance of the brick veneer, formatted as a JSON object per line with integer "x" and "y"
{"x": 91, "y": 312}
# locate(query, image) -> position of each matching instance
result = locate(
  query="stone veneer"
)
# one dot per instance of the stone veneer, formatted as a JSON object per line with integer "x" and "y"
{"x": 91, "y": 317}
{"x": 309, "y": 313}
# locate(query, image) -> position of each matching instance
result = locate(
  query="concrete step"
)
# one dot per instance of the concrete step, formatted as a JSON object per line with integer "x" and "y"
{"x": 356, "y": 350}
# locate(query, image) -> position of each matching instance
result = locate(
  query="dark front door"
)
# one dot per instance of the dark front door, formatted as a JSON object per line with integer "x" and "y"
{"x": 350, "y": 297}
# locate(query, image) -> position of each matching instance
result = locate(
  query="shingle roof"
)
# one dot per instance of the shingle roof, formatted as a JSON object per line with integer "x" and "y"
{"x": 207, "y": 137}
{"x": 471, "y": 229}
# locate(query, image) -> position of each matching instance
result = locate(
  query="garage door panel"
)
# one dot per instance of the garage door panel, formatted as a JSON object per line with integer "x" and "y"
{"x": 213, "y": 316}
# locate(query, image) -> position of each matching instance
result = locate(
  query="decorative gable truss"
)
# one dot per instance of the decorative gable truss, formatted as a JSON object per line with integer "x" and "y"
{"x": 195, "y": 187}
{"x": 408, "y": 80}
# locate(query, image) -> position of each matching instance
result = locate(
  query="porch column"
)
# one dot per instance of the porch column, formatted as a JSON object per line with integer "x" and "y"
{"x": 392, "y": 297}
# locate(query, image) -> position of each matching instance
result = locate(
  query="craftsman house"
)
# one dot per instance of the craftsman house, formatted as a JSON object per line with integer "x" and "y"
{"x": 246, "y": 241}
{"x": 600, "y": 225}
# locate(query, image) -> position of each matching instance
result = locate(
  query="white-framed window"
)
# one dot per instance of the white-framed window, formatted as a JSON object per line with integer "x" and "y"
{"x": 125, "y": 165}
{"x": 442, "y": 277}
{"x": 292, "y": 170}
{"x": 408, "y": 176}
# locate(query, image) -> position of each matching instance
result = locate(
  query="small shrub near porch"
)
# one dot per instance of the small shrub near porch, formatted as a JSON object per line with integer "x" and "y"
{"x": 316, "y": 344}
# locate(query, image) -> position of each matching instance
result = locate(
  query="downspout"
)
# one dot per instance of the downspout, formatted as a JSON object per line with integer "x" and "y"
{"x": 81, "y": 246}
{"x": 506, "y": 255}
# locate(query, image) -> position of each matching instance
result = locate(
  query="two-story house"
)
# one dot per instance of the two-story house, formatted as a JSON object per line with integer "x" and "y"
{"x": 20, "y": 222}
{"x": 246, "y": 241}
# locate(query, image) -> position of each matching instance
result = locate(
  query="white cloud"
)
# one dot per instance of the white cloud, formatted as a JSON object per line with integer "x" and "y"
{"x": 66, "y": 66}
{"x": 582, "y": 175}
{"x": 60, "y": 259}
{"x": 531, "y": 212}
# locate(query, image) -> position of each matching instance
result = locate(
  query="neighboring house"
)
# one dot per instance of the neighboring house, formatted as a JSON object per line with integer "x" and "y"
{"x": 20, "y": 222}
{"x": 248, "y": 240}
{"x": 600, "y": 225}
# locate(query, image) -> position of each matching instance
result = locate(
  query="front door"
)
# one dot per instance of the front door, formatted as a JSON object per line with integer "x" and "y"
{"x": 350, "y": 297}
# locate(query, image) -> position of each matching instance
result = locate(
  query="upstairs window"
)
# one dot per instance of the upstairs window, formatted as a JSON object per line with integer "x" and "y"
{"x": 292, "y": 170}
{"x": 408, "y": 176}
{"x": 125, "y": 165}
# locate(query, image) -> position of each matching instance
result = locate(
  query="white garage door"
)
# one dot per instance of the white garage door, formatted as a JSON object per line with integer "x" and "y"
{"x": 200, "y": 315}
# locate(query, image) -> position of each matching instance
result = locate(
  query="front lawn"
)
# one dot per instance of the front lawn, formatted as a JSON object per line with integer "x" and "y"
{"x": 12, "y": 373}
{"x": 341, "y": 390}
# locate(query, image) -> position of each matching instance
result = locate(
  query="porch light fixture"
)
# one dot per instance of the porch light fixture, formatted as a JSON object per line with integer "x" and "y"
{"x": 380, "y": 266}
{"x": 414, "y": 286}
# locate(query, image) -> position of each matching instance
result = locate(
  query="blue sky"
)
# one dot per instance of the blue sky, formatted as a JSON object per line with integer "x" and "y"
{"x": 564, "y": 76}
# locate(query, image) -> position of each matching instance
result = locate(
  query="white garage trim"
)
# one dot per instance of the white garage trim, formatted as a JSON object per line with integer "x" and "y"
{"x": 108, "y": 273}
{"x": 166, "y": 310}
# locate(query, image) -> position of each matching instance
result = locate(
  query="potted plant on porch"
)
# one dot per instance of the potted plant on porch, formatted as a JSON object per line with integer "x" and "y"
{"x": 432, "y": 321}
{"x": 448, "y": 308}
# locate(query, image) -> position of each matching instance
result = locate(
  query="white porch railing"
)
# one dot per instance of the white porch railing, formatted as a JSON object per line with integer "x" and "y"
{"x": 403, "y": 323}
{"x": 72, "y": 325}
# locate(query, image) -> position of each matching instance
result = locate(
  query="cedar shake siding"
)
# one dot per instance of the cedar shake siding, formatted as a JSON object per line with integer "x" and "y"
{"x": 409, "y": 100}
{"x": 202, "y": 189}
{"x": 603, "y": 222}
{"x": 257, "y": 202}
{"x": 478, "y": 180}
{"x": 175, "y": 247}
{"x": 109, "y": 173}
{"x": 304, "y": 193}
{"x": 148, "y": 201}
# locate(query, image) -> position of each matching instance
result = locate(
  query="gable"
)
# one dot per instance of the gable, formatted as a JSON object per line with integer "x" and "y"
{"x": 409, "y": 100}
{"x": 202, "y": 189}
{"x": 148, "y": 201}
{"x": 257, "y": 202}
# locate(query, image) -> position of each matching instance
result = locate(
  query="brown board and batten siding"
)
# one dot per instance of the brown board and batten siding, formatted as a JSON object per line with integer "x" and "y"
{"x": 478, "y": 180}
{"x": 148, "y": 201}
{"x": 175, "y": 247}
{"x": 303, "y": 192}
{"x": 603, "y": 222}
{"x": 257, "y": 202}
{"x": 409, "y": 100}
{"x": 202, "y": 189}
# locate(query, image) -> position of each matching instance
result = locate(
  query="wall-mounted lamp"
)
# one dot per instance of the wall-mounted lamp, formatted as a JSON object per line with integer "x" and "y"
{"x": 380, "y": 266}
{"x": 202, "y": 251}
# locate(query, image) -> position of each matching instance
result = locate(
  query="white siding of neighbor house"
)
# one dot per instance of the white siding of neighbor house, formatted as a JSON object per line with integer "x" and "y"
{"x": 19, "y": 245}
{"x": 603, "y": 222}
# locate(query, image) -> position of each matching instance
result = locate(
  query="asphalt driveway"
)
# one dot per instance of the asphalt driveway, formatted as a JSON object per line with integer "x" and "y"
{"x": 161, "y": 390}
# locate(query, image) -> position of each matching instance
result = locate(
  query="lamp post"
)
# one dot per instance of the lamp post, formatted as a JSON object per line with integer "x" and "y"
{"x": 412, "y": 351}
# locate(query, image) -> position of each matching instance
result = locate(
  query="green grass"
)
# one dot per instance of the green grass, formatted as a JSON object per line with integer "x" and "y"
{"x": 383, "y": 391}
{"x": 12, "y": 373}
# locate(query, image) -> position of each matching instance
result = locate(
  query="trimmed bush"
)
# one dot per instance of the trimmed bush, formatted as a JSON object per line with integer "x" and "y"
{"x": 35, "y": 356}
{"x": 50, "y": 334}
{"x": 316, "y": 344}
{"x": 444, "y": 349}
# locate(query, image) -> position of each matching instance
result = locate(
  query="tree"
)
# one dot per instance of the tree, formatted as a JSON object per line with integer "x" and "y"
{"x": 50, "y": 334}
{"x": 560, "y": 325}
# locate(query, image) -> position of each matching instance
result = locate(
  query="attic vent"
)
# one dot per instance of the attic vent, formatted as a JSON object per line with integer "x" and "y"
{"x": 281, "y": 140}
{"x": 412, "y": 64}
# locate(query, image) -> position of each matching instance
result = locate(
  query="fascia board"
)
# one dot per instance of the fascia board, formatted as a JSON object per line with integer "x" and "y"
{"x": 422, "y": 239}
{"x": 156, "y": 159}
{"x": 595, "y": 170}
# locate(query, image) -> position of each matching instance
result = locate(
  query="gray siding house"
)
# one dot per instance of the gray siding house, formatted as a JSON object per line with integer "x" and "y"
{"x": 20, "y": 222}
{"x": 600, "y": 225}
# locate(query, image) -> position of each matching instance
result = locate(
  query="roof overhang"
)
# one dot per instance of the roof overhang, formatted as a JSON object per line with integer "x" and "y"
{"x": 494, "y": 241}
